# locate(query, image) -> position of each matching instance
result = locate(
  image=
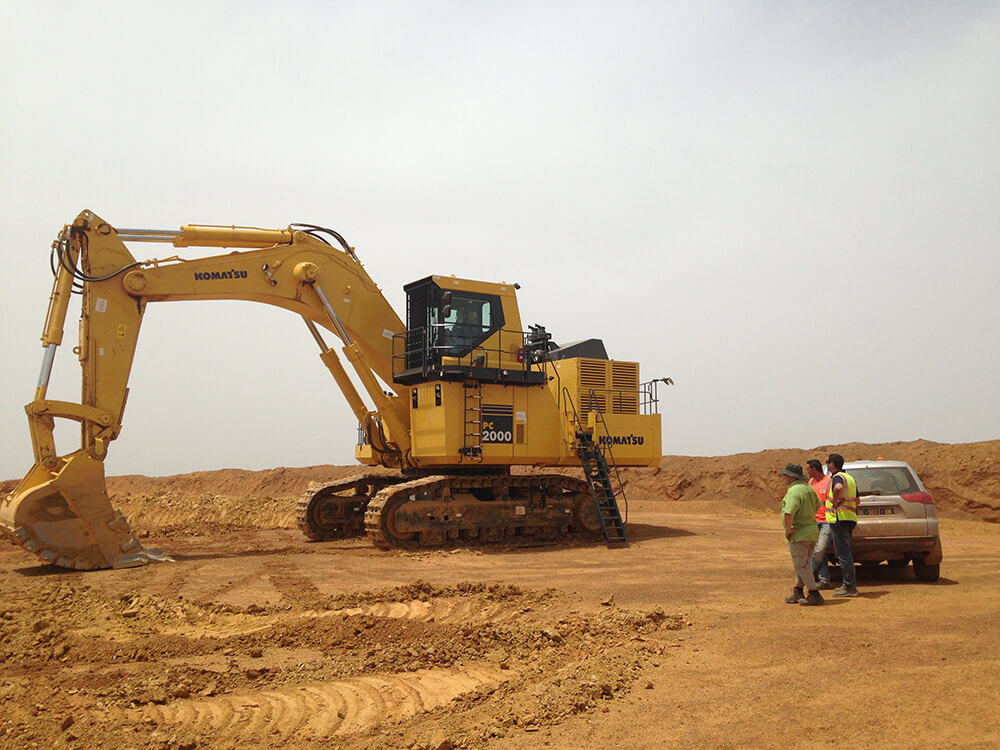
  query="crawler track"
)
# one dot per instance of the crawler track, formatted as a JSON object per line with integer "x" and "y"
{"x": 336, "y": 510}
{"x": 442, "y": 510}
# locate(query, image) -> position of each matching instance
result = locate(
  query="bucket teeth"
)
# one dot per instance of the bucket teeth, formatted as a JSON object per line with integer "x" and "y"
{"x": 133, "y": 561}
{"x": 133, "y": 554}
{"x": 64, "y": 515}
{"x": 130, "y": 546}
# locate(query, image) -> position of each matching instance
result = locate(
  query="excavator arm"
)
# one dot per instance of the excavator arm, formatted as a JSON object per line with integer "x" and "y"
{"x": 61, "y": 510}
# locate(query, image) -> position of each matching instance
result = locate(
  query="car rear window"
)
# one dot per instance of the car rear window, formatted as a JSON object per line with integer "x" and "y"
{"x": 884, "y": 480}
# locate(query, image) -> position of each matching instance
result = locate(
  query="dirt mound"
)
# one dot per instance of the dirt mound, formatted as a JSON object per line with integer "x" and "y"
{"x": 209, "y": 502}
{"x": 964, "y": 479}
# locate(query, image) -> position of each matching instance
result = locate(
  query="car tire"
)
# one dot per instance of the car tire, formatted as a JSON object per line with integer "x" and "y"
{"x": 926, "y": 573}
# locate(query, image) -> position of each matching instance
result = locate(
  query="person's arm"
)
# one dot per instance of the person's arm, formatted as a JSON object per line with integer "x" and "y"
{"x": 838, "y": 492}
{"x": 788, "y": 525}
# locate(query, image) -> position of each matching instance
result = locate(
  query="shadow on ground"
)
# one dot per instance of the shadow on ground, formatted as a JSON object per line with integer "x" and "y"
{"x": 868, "y": 575}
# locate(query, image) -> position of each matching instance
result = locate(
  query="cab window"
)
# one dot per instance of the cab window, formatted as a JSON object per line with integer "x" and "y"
{"x": 465, "y": 320}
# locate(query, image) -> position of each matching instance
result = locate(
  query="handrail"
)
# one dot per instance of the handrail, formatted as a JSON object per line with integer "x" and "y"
{"x": 576, "y": 414}
{"x": 576, "y": 418}
{"x": 609, "y": 452}
{"x": 414, "y": 350}
{"x": 617, "y": 400}
{"x": 649, "y": 401}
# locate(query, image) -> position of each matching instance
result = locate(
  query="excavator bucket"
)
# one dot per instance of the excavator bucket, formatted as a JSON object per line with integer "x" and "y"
{"x": 64, "y": 516}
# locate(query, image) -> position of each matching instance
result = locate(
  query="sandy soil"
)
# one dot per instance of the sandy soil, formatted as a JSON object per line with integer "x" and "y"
{"x": 256, "y": 638}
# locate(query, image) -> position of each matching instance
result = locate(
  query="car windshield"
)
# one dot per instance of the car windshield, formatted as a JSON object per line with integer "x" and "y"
{"x": 883, "y": 480}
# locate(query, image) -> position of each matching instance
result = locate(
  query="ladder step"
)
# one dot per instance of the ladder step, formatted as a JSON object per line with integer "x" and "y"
{"x": 595, "y": 468}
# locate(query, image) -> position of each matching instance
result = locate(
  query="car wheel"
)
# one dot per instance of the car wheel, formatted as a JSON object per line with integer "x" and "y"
{"x": 925, "y": 572}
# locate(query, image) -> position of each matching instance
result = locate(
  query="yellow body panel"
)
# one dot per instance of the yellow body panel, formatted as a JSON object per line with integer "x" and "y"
{"x": 517, "y": 425}
{"x": 532, "y": 424}
{"x": 634, "y": 439}
{"x": 606, "y": 396}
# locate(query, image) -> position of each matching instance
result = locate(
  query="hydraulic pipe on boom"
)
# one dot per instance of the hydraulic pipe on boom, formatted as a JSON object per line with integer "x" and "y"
{"x": 61, "y": 510}
{"x": 383, "y": 405}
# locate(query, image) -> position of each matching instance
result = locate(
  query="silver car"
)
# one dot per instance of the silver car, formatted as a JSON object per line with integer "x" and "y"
{"x": 897, "y": 521}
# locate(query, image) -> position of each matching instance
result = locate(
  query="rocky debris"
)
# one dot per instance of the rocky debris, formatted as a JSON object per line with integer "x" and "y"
{"x": 98, "y": 659}
{"x": 423, "y": 592}
{"x": 148, "y": 653}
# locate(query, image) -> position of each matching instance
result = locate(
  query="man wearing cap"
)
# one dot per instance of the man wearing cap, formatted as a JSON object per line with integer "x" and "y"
{"x": 798, "y": 509}
{"x": 842, "y": 515}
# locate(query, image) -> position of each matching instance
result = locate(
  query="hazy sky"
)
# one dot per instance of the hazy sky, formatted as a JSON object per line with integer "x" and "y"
{"x": 790, "y": 208}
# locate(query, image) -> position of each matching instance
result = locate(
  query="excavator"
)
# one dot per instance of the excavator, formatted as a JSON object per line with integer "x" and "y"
{"x": 460, "y": 395}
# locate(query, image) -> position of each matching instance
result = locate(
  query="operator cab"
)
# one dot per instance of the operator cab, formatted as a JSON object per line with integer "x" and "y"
{"x": 458, "y": 329}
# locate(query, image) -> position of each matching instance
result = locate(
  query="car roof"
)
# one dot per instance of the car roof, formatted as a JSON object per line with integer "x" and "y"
{"x": 874, "y": 464}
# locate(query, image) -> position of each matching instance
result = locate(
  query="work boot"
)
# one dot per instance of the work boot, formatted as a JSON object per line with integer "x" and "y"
{"x": 797, "y": 595}
{"x": 844, "y": 591}
{"x": 824, "y": 585}
{"x": 813, "y": 599}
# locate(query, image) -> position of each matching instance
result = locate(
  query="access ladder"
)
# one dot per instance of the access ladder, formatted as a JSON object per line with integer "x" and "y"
{"x": 473, "y": 445}
{"x": 595, "y": 468}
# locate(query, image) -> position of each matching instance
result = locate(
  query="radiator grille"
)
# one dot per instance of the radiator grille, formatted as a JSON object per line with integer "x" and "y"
{"x": 625, "y": 387}
{"x": 608, "y": 386}
{"x": 593, "y": 375}
{"x": 625, "y": 376}
{"x": 625, "y": 402}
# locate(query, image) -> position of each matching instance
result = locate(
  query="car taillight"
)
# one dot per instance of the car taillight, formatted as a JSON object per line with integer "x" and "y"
{"x": 918, "y": 497}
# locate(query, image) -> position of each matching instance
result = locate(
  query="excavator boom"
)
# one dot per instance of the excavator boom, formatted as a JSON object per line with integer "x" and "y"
{"x": 60, "y": 510}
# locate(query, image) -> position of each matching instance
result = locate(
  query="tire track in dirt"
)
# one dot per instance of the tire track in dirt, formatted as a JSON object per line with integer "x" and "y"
{"x": 441, "y": 611}
{"x": 222, "y": 591}
{"x": 294, "y": 587}
{"x": 317, "y": 709}
{"x": 438, "y": 611}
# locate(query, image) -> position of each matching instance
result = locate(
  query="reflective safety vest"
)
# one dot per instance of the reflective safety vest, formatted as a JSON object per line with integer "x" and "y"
{"x": 848, "y": 508}
{"x": 820, "y": 486}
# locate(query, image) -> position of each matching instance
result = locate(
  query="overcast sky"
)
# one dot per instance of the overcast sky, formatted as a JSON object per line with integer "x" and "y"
{"x": 790, "y": 208}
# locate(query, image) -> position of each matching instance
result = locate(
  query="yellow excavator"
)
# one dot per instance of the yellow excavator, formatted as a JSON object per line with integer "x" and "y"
{"x": 461, "y": 393}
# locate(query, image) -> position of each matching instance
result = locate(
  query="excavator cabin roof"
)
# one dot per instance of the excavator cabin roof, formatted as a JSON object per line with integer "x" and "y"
{"x": 460, "y": 328}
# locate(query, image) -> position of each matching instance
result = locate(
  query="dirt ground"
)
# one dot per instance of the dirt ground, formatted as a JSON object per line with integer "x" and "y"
{"x": 256, "y": 638}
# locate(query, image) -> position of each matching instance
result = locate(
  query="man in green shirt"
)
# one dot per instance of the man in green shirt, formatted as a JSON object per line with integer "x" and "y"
{"x": 798, "y": 510}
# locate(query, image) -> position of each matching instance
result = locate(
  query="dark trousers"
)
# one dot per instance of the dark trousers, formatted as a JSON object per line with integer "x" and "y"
{"x": 842, "y": 531}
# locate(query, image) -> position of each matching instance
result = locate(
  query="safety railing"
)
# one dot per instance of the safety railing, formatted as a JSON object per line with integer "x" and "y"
{"x": 649, "y": 401}
{"x": 614, "y": 400}
{"x": 425, "y": 350}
